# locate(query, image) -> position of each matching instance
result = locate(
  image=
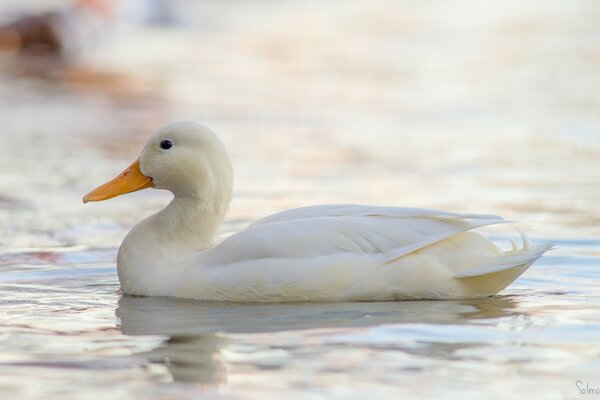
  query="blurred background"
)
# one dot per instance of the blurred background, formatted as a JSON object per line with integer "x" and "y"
{"x": 481, "y": 107}
{"x": 485, "y": 107}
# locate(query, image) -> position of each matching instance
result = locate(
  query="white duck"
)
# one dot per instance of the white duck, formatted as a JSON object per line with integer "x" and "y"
{"x": 319, "y": 253}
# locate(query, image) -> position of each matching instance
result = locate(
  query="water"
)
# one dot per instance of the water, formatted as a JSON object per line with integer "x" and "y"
{"x": 487, "y": 108}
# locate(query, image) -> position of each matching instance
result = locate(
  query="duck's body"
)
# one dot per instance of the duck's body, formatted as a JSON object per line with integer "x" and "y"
{"x": 319, "y": 253}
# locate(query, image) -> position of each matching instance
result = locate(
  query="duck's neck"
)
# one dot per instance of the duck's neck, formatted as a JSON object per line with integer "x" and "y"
{"x": 165, "y": 246}
{"x": 189, "y": 222}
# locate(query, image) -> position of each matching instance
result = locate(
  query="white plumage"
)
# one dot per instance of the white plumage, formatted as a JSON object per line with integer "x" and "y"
{"x": 319, "y": 253}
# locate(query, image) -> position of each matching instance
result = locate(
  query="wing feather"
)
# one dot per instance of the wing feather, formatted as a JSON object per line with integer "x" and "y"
{"x": 386, "y": 233}
{"x": 352, "y": 210}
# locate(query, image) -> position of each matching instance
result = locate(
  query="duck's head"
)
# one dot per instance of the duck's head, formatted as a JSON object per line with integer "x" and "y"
{"x": 183, "y": 157}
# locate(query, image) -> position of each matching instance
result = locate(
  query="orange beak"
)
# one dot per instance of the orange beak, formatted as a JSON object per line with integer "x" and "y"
{"x": 128, "y": 181}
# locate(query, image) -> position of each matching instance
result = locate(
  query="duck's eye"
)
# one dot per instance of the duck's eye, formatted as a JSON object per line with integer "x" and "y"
{"x": 166, "y": 144}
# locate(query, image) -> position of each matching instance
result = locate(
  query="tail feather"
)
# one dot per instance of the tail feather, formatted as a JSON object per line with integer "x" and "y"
{"x": 514, "y": 259}
{"x": 525, "y": 238}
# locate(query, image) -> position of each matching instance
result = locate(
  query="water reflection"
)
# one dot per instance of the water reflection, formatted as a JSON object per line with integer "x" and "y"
{"x": 193, "y": 358}
{"x": 168, "y": 316}
{"x": 197, "y": 331}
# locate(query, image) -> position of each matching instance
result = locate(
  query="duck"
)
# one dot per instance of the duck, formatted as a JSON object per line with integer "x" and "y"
{"x": 321, "y": 253}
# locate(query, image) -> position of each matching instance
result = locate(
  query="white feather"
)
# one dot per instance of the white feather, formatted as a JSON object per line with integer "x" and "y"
{"x": 318, "y": 253}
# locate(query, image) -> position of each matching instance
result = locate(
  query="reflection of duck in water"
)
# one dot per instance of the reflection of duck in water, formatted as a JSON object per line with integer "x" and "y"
{"x": 169, "y": 316}
{"x": 318, "y": 253}
{"x": 193, "y": 358}
{"x": 192, "y": 353}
